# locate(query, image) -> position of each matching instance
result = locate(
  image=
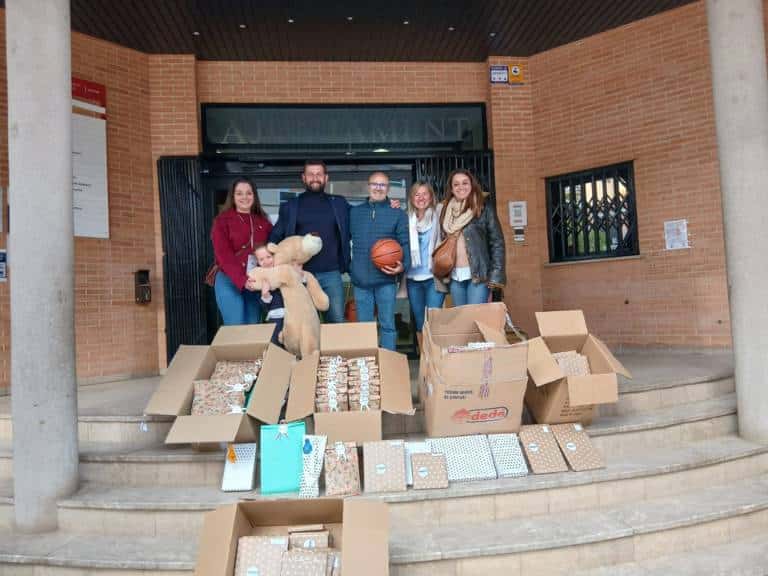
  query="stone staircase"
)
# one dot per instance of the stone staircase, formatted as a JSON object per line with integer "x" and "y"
{"x": 681, "y": 494}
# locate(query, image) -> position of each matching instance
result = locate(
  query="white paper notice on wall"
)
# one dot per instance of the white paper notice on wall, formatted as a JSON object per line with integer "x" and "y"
{"x": 676, "y": 234}
{"x": 90, "y": 200}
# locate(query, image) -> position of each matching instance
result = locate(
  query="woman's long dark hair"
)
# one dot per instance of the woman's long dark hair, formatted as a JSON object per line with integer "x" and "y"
{"x": 229, "y": 203}
{"x": 476, "y": 198}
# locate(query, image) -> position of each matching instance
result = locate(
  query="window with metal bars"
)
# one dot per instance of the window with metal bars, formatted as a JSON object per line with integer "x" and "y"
{"x": 592, "y": 214}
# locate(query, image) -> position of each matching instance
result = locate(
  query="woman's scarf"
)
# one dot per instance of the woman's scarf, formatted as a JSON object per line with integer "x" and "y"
{"x": 456, "y": 219}
{"x": 416, "y": 227}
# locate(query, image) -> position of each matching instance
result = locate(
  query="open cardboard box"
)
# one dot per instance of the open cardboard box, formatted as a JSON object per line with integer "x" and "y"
{"x": 173, "y": 396}
{"x": 351, "y": 340}
{"x": 554, "y": 398}
{"x": 359, "y": 528}
{"x": 471, "y": 391}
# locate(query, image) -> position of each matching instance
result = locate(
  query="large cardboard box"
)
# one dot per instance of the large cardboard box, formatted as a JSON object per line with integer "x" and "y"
{"x": 173, "y": 396}
{"x": 554, "y": 398}
{"x": 351, "y": 340}
{"x": 471, "y": 391}
{"x": 359, "y": 528}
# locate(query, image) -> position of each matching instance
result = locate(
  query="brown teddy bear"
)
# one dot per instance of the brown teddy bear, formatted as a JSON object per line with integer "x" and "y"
{"x": 295, "y": 249}
{"x": 302, "y": 294}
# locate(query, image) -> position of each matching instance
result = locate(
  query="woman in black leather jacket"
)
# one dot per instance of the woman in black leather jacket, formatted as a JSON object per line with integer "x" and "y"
{"x": 480, "y": 253}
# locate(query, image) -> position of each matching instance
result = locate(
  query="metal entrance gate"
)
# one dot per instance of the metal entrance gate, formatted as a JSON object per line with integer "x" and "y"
{"x": 185, "y": 251}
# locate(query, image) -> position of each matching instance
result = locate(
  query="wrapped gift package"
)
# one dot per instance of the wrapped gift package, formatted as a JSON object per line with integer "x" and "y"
{"x": 411, "y": 448}
{"x": 384, "y": 466}
{"x": 313, "y": 455}
{"x": 577, "y": 447}
{"x": 507, "y": 455}
{"x": 572, "y": 363}
{"x": 217, "y": 396}
{"x": 261, "y": 555}
{"x": 282, "y": 462}
{"x": 244, "y": 372}
{"x": 541, "y": 449}
{"x": 342, "y": 472}
{"x": 309, "y": 540}
{"x": 304, "y": 563}
{"x": 429, "y": 471}
{"x": 239, "y": 467}
{"x": 467, "y": 457}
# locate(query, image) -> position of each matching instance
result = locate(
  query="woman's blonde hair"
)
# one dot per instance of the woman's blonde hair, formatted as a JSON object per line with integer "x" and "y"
{"x": 415, "y": 188}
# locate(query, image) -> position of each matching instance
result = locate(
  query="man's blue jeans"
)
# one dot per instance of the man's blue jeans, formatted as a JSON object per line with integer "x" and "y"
{"x": 422, "y": 295}
{"x": 467, "y": 292}
{"x": 236, "y": 307}
{"x": 383, "y": 297}
{"x": 333, "y": 286}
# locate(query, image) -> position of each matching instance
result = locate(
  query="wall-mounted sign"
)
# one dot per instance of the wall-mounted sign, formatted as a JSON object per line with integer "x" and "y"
{"x": 516, "y": 74}
{"x": 3, "y": 265}
{"x": 676, "y": 234}
{"x": 90, "y": 199}
{"x": 499, "y": 74}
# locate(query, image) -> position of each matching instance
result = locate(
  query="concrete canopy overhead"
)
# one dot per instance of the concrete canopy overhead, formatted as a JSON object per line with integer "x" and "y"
{"x": 353, "y": 30}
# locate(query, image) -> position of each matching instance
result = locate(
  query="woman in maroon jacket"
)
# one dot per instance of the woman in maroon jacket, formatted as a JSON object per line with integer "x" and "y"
{"x": 241, "y": 225}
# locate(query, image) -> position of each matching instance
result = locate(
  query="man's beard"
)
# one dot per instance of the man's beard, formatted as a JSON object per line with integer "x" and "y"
{"x": 316, "y": 187}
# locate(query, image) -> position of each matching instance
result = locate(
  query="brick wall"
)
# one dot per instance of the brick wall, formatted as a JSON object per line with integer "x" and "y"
{"x": 511, "y": 119}
{"x": 114, "y": 336}
{"x": 341, "y": 82}
{"x": 643, "y": 93}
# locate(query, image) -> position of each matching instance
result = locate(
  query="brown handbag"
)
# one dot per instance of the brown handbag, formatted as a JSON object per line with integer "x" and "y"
{"x": 444, "y": 256}
{"x": 210, "y": 277}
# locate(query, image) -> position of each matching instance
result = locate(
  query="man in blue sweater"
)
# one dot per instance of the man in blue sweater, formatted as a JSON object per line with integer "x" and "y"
{"x": 315, "y": 212}
{"x": 370, "y": 221}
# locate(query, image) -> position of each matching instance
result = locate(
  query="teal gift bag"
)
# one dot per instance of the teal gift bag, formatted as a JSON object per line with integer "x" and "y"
{"x": 281, "y": 457}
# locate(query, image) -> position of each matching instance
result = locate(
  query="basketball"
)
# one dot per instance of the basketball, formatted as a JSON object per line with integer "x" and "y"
{"x": 386, "y": 252}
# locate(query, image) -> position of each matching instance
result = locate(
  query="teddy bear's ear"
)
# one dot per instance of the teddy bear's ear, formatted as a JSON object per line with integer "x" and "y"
{"x": 272, "y": 247}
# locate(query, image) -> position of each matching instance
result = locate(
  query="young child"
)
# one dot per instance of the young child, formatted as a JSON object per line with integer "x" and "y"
{"x": 272, "y": 300}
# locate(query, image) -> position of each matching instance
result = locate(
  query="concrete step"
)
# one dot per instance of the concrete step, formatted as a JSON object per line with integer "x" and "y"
{"x": 634, "y": 532}
{"x": 741, "y": 558}
{"x": 670, "y": 426}
{"x": 157, "y": 510}
{"x": 657, "y": 395}
{"x": 123, "y": 430}
{"x": 106, "y": 463}
{"x": 559, "y": 544}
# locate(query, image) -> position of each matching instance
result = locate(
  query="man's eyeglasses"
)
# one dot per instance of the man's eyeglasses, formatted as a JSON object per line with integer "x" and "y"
{"x": 378, "y": 185}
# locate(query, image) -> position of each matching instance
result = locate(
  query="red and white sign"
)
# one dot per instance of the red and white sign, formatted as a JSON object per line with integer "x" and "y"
{"x": 89, "y": 95}
{"x": 90, "y": 199}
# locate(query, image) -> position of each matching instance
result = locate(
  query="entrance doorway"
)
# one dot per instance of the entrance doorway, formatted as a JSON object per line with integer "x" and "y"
{"x": 279, "y": 182}
{"x": 192, "y": 189}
